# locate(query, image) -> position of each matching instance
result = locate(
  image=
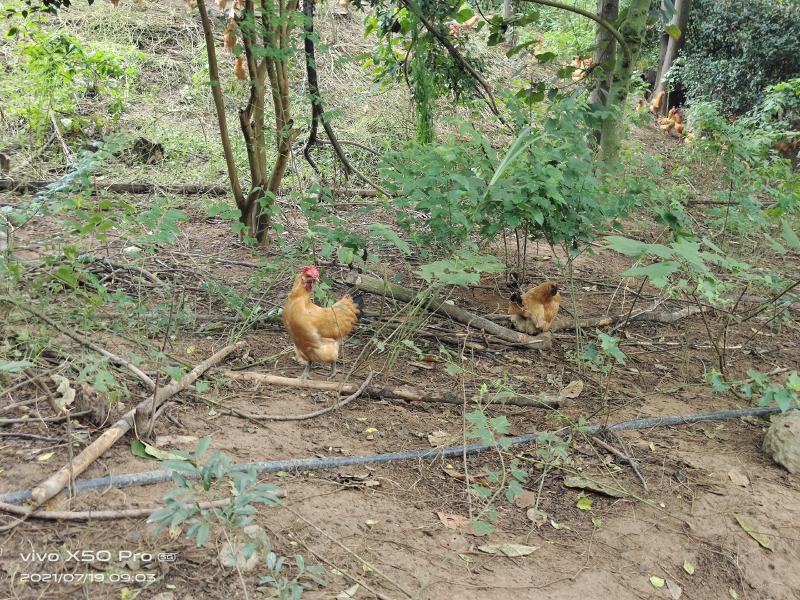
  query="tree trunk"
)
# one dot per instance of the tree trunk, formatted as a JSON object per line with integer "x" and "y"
{"x": 605, "y": 54}
{"x": 680, "y": 20}
{"x": 632, "y": 30}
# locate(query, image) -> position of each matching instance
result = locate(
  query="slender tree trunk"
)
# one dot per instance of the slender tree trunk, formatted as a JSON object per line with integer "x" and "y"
{"x": 680, "y": 20}
{"x": 632, "y": 30}
{"x": 605, "y": 54}
{"x": 219, "y": 105}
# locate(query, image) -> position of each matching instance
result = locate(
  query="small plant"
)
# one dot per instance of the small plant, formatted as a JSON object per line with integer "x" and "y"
{"x": 213, "y": 480}
{"x": 509, "y": 478}
{"x": 762, "y": 387}
{"x": 291, "y": 587}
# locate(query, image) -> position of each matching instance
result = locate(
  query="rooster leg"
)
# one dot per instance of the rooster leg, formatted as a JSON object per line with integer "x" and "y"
{"x": 306, "y": 371}
{"x": 333, "y": 371}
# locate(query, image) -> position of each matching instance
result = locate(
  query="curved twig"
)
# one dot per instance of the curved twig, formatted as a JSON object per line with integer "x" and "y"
{"x": 316, "y": 413}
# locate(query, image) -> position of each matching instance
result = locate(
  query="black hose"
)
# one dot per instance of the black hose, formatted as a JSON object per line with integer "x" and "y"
{"x": 312, "y": 464}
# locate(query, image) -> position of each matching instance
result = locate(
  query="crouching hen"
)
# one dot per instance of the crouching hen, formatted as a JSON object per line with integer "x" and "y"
{"x": 317, "y": 332}
{"x": 535, "y": 311}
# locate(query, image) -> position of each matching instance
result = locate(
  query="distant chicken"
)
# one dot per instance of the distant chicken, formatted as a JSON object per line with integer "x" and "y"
{"x": 657, "y": 102}
{"x": 317, "y": 333}
{"x": 582, "y": 67}
{"x": 672, "y": 123}
{"x": 536, "y": 310}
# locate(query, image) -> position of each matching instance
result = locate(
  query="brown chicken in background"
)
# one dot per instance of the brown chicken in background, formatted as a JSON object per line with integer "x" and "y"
{"x": 536, "y": 310}
{"x": 317, "y": 332}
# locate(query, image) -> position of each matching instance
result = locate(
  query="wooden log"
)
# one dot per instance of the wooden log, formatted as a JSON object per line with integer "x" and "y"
{"x": 373, "y": 285}
{"x": 137, "y": 415}
{"x": 406, "y": 393}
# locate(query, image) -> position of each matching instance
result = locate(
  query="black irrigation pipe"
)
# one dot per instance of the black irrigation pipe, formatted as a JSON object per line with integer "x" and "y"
{"x": 311, "y": 464}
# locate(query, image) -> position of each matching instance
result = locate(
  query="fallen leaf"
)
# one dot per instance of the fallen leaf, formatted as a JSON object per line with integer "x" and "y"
{"x": 537, "y": 517}
{"x": 752, "y": 531}
{"x": 509, "y": 550}
{"x": 738, "y": 477}
{"x": 597, "y": 522}
{"x": 44, "y": 457}
{"x": 142, "y": 450}
{"x": 657, "y": 582}
{"x": 67, "y": 393}
{"x": 421, "y": 365}
{"x": 349, "y": 593}
{"x": 572, "y": 390}
{"x": 674, "y": 590}
{"x": 733, "y": 594}
{"x": 371, "y": 522}
{"x": 688, "y": 567}
{"x": 652, "y": 447}
{"x": 525, "y": 499}
{"x": 582, "y": 483}
{"x": 584, "y": 503}
{"x": 452, "y": 521}
{"x": 479, "y": 478}
{"x": 440, "y": 438}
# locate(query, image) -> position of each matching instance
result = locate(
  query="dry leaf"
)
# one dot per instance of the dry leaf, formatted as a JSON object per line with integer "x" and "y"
{"x": 509, "y": 550}
{"x": 674, "y": 590}
{"x": 452, "y": 521}
{"x": 688, "y": 567}
{"x": 439, "y": 438}
{"x": 525, "y": 499}
{"x": 349, "y": 593}
{"x": 537, "y": 517}
{"x": 738, "y": 477}
{"x": 572, "y": 390}
{"x": 66, "y": 393}
{"x": 582, "y": 483}
{"x": 753, "y": 532}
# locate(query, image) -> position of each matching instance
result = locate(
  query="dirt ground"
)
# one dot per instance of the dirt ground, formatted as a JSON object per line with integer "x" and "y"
{"x": 387, "y": 533}
{"x": 390, "y": 528}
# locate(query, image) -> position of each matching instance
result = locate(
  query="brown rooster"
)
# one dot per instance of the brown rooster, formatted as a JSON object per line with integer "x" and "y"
{"x": 317, "y": 332}
{"x": 535, "y": 311}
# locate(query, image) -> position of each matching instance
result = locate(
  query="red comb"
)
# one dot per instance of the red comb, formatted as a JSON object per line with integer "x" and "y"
{"x": 310, "y": 271}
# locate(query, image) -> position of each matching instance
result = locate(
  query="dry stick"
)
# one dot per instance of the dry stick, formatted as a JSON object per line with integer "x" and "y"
{"x": 622, "y": 456}
{"x": 384, "y": 288}
{"x": 4, "y": 422}
{"x": 651, "y": 316}
{"x": 56, "y": 482}
{"x": 102, "y": 515}
{"x": 152, "y": 421}
{"x": 22, "y": 187}
{"x": 316, "y": 413}
{"x": 373, "y": 391}
{"x": 117, "y": 360}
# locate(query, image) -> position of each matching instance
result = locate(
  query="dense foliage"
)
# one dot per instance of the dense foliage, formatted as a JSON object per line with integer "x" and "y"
{"x": 734, "y": 50}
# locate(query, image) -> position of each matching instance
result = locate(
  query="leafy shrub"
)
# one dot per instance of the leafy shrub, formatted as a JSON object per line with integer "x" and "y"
{"x": 734, "y": 50}
{"x": 55, "y": 72}
{"x": 547, "y": 185}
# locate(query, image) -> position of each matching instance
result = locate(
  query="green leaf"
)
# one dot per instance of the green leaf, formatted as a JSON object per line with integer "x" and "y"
{"x": 635, "y": 248}
{"x": 202, "y": 446}
{"x": 673, "y": 31}
{"x": 523, "y": 139}
{"x": 610, "y": 346}
{"x": 584, "y": 503}
{"x": 753, "y": 532}
{"x": 15, "y": 366}
{"x": 142, "y": 450}
{"x": 657, "y": 582}
{"x": 657, "y": 273}
{"x": 201, "y": 386}
{"x": 789, "y": 235}
{"x": 688, "y": 567}
{"x": 482, "y": 527}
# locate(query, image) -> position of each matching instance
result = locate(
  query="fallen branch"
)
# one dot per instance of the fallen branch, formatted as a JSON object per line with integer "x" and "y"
{"x": 649, "y": 315}
{"x": 23, "y": 187}
{"x": 136, "y": 417}
{"x": 117, "y": 360}
{"x": 58, "y": 419}
{"x": 406, "y": 393}
{"x": 311, "y": 415}
{"x": 622, "y": 456}
{"x": 373, "y": 285}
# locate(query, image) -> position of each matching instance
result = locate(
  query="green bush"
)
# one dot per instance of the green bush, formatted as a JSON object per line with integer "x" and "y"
{"x": 734, "y": 50}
